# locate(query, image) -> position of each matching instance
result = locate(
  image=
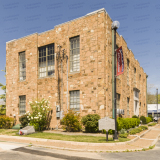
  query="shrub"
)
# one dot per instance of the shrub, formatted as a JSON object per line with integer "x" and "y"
{"x": 143, "y": 127}
{"x": 124, "y": 135}
{"x": 132, "y": 131}
{"x": 152, "y": 124}
{"x": 143, "y": 119}
{"x": 71, "y": 121}
{"x": 24, "y": 120}
{"x": 39, "y": 116}
{"x": 123, "y": 131}
{"x": 138, "y": 130}
{"x": 6, "y": 122}
{"x": 110, "y": 131}
{"x": 135, "y": 130}
{"x": 148, "y": 119}
{"x": 151, "y": 117}
{"x": 127, "y": 123}
{"x": 90, "y": 122}
{"x": 134, "y": 116}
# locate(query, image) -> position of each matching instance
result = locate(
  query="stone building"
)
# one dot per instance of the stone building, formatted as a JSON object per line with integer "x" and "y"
{"x": 34, "y": 70}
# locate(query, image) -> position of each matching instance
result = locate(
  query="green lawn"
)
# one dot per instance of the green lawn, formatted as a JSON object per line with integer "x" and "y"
{"x": 76, "y": 138}
{"x": 10, "y": 132}
{"x": 54, "y": 136}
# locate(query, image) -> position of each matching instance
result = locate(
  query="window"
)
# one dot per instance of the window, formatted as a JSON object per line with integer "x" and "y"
{"x": 46, "y": 61}
{"x": 127, "y": 106}
{"x": 22, "y": 66}
{"x": 136, "y": 104}
{"x": 22, "y": 105}
{"x": 134, "y": 75}
{"x": 136, "y": 94}
{"x": 118, "y": 101}
{"x": 128, "y": 71}
{"x": 74, "y": 54}
{"x": 75, "y": 100}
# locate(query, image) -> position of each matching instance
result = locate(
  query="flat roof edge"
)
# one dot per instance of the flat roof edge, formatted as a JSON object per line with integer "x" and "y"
{"x": 21, "y": 38}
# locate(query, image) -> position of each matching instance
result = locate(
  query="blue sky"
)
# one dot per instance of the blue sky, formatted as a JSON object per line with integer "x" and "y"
{"x": 139, "y": 25}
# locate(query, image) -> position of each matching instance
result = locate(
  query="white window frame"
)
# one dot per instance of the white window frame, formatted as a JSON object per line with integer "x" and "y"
{"x": 74, "y": 58}
{"x": 75, "y": 100}
{"x": 22, "y": 66}
{"x": 22, "y": 105}
{"x": 46, "y": 61}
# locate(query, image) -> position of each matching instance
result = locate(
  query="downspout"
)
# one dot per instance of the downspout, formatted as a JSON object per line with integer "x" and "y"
{"x": 112, "y": 73}
{"x": 67, "y": 84}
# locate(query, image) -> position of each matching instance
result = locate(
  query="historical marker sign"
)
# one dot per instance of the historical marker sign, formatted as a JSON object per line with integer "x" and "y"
{"x": 106, "y": 123}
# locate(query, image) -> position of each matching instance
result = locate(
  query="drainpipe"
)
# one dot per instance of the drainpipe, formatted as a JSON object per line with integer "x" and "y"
{"x": 113, "y": 52}
{"x": 67, "y": 83}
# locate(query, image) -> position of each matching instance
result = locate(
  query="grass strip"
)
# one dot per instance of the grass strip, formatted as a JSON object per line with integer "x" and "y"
{"x": 76, "y": 138}
{"x": 55, "y": 136}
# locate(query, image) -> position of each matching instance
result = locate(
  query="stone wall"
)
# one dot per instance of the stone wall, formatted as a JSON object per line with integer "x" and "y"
{"x": 94, "y": 79}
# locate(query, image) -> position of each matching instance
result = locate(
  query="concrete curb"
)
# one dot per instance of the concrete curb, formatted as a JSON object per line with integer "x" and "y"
{"x": 84, "y": 145}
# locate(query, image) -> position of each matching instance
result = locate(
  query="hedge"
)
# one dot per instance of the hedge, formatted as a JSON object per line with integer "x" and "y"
{"x": 127, "y": 123}
{"x": 145, "y": 120}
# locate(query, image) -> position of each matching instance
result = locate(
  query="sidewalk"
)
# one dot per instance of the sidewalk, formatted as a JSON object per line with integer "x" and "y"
{"x": 141, "y": 141}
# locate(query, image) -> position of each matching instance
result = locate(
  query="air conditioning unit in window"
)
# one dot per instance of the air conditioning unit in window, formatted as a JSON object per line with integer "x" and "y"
{"x": 120, "y": 111}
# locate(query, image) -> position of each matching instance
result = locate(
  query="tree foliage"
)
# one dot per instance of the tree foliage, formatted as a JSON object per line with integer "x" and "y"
{"x": 152, "y": 95}
{"x": 3, "y": 97}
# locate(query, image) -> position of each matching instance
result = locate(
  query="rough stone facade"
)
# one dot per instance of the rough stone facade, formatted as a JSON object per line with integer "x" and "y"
{"x": 94, "y": 79}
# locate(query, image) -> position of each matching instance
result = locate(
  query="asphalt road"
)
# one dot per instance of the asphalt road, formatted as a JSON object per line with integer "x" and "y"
{"x": 16, "y": 151}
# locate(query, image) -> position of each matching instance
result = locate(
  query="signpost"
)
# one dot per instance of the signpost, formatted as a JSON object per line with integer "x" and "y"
{"x": 107, "y": 124}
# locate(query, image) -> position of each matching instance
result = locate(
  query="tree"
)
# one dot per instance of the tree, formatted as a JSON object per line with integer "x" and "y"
{"x": 3, "y": 97}
{"x": 152, "y": 97}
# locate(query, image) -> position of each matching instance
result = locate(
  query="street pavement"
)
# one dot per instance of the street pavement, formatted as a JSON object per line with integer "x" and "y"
{"x": 15, "y": 151}
{"x": 26, "y": 148}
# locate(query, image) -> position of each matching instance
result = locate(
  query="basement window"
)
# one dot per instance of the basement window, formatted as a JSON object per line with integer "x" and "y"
{"x": 22, "y": 66}
{"x": 22, "y": 105}
{"x": 75, "y": 100}
{"x": 46, "y": 61}
{"x": 74, "y": 54}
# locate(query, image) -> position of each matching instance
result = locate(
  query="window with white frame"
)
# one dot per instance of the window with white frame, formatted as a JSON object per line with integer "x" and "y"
{"x": 46, "y": 61}
{"x": 22, "y": 66}
{"x": 136, "y": 105}
{"x": 75, "y": 54}
{"x": 22, "y": 105}
{"x": 128, "y": 71}
{"x": 118, "y": 101}
{"x": 127, "y": 106}
{"x": 75, "y": 100}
